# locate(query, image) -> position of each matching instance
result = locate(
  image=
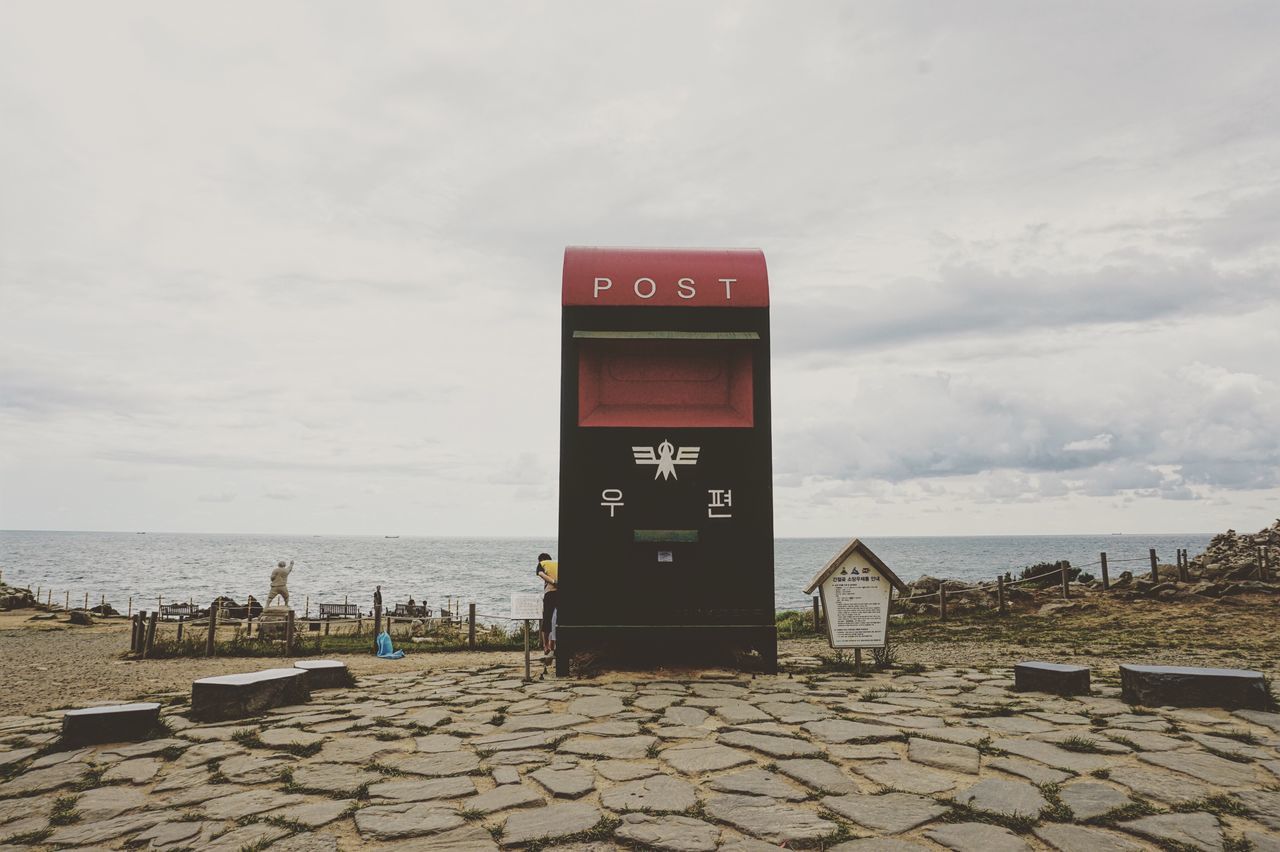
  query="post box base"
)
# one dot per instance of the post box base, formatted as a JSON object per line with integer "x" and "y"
{"x": 665, "y": 643}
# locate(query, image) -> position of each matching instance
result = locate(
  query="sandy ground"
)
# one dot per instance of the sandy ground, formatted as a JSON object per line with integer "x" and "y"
{"x": 46, "y": 665}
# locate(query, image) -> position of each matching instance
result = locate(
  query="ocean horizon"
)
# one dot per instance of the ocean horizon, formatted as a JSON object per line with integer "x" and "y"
{"x": 484, "y": 570}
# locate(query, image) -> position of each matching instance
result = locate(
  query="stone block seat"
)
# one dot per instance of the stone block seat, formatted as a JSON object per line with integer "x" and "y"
{"x": 111, "y": 724}
{"x": 250, "y": 694}
{"x": 325, "y": 674}
{"x": 1185, "y": 686}
{"x": 1059, "y": 679}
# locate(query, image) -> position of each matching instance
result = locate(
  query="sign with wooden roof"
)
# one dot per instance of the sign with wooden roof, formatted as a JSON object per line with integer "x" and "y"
{"x": 855, "y": 587}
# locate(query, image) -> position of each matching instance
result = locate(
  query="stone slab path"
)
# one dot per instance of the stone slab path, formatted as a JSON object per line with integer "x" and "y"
{"x": 476, "y": 759}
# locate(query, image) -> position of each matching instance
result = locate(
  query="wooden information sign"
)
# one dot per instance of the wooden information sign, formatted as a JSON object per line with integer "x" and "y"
{"x": 855, "y": 588}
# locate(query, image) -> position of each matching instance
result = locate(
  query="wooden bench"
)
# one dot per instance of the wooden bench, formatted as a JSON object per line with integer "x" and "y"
{"x": 325, "y": 674}
{"x": 1035, "y": 676}
{"x": 239, "y": 695}
{"x": 174, "y": 610}
{"x": 339, "y": 610}
{"x": 110, "y": 724}
{"x": 1185, "y": 686}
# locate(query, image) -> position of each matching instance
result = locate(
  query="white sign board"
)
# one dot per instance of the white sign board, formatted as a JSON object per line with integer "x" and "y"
{"x": 526, "y": 605}
{"x": 855, "y": 598}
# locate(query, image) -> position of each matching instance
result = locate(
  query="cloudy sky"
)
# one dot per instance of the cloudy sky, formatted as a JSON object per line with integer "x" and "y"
{"x": 277, "y": 267}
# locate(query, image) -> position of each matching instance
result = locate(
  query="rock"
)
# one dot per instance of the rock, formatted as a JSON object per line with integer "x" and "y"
{"x": 1265, "y": 806}
{"x": 696, "y": 758}
{"x": 843, "y": 731}
{"x": 768, "y": 819}
{"x": 101, "y": 831}
{"x": 307, "y": 842}
{"x": 556, "y": 820}
{"x": 621, "y": 770}
{"x": 1007, "y": 798}
{"x": 38, "y": 780}
{"x": 772, "y": 746}
{"x": 104, "y": 803}
{"x": 1206, "y": 767}
{"x": 1089, "y": 799}
{"x": 256, "y": 768}
{"x": 388, "y": 822}
{"x": 669, "y": 832}
{"x": 1051, "y": 755}
{"x": 434, "y": 765}
{"x": 505, "y": 775}
{"x": 543, "y": 722}
{"x": 80, "y": 618}
{"x": 341, "y": 778}
{"x": 1159, "y": 785}
{"x": 957, "y": 758}
{"x": 502, "y": 798}
{"x": 248, "y": 803}
{"x": 314, "y": 814}
{"x": 656, "y": 794}
{"x": 140, "y": 770}
{"x": 1075, "y": 838}
{"x": 596, "y": 706}
{"x": 879, "y": 844}
{"x": 359, "y": 749}
{"x": 891, "y": 813}
{"x": 1033, "y": 772}
{"x": 618, "y": 748}
{"x": 1055, "y": 678}
{"x": 692, "y": 716}
{"x": 252, "y": 836}
{"x": 276, "y": 737}
{"x": 1197, "y": 830}
{"x": 906, "y": 776}
{"x": 419, "y": 790}
{"x": 758, "y": 782}
{"x": 977, "y": 837}
{"x": 819, "y": 775}
{"x": 565, "y": 783}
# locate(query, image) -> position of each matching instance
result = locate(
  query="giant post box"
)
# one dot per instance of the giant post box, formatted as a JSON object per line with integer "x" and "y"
{"x": 666, "y": 490}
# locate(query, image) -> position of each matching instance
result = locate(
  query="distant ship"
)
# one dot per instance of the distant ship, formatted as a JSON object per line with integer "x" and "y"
{"x": 391, "y": 536}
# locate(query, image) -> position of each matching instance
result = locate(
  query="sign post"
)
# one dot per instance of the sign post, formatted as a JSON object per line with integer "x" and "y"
{"x": 855, "y": 588}
{"x": 526, "y": 606}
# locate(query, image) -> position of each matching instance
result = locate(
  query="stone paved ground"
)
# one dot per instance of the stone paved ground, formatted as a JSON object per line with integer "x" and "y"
{"x": 476, "y": 759}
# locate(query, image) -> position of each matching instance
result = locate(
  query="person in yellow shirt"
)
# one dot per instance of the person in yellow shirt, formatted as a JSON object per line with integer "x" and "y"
{"x": 548, "y": 571}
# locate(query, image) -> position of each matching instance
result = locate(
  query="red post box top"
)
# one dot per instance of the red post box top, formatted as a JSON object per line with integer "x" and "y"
{"x": 691, "y": 278}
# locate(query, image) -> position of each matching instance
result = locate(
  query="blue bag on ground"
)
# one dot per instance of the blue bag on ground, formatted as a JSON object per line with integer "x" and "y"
{"x": 384, "y": 647}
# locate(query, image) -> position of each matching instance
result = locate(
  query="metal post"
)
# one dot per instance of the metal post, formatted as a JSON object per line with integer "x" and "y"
{"x": 213, "y": 628}
{"x": 942, "y": 601}
{"x": 1106, "y": 578}
{"x": 471, "y": 626}
{"x": 1066, "y": 593}
{"x": 1000, "y": 595}
{"x": 527, "y": 676}
{"x": 1155, "y": 568}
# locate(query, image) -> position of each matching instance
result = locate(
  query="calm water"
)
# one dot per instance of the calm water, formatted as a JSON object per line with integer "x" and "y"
{"x": 487, "y": 571}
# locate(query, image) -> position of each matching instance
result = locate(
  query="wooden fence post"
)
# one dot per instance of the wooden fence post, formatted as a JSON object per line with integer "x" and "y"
{"x": 1184, "y": 567}
{"x": 377, "y": 624}
{"x": 1155, "y": 568}
{"x": 1066, "y": 593}
{"x": 1000, "y": 595}
{"x": 86, "y": 601}
{"x": 942, "y": 601}
{"x": 181, "y": 618}
{"x": 817, "y": 615}
{"x": 151, "y": 635}
{"x": 288, "y": 634}
{"x": 1106, "y": 579}
{"x": 134, "y": 644}
{"x": 471, "y": 626}
{"x": 213, "y": 629}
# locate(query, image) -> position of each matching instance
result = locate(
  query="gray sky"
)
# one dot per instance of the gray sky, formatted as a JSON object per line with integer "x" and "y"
{"x": 276, "y": 267}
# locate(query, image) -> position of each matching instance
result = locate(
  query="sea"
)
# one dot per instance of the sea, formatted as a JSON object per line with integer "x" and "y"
{"x": 137, "y": 569}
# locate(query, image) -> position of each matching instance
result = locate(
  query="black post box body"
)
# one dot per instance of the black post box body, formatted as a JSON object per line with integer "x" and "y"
{"x": 666, "y": 482}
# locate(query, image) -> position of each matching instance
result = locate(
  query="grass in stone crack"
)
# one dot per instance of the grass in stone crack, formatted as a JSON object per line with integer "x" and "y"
{"x": 31, "y": 838}
{"x": 1082, "y": 745}
{"x": 471, "y": 814}
{"x": 215, "y": 772}
{"x": 1139, "y": 808}
{"x": 1219, "y": 804}
{"x": 1104, "y": 774}
{"x": 173, "y": 752}
{"x": 1057, "y": 810}
{"x": 1119, "y": 739}
{"x": 64, "y": 811}
{"x": 1233, "y": 756}
{"x": 90, "y": 780}
{"x": 383, "y": 769}
{"x": 1018, "y": 823}
{"x": 653, "y": 750}
{"x": 1239, "y": 736}
{"x": 600, "y": 832}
